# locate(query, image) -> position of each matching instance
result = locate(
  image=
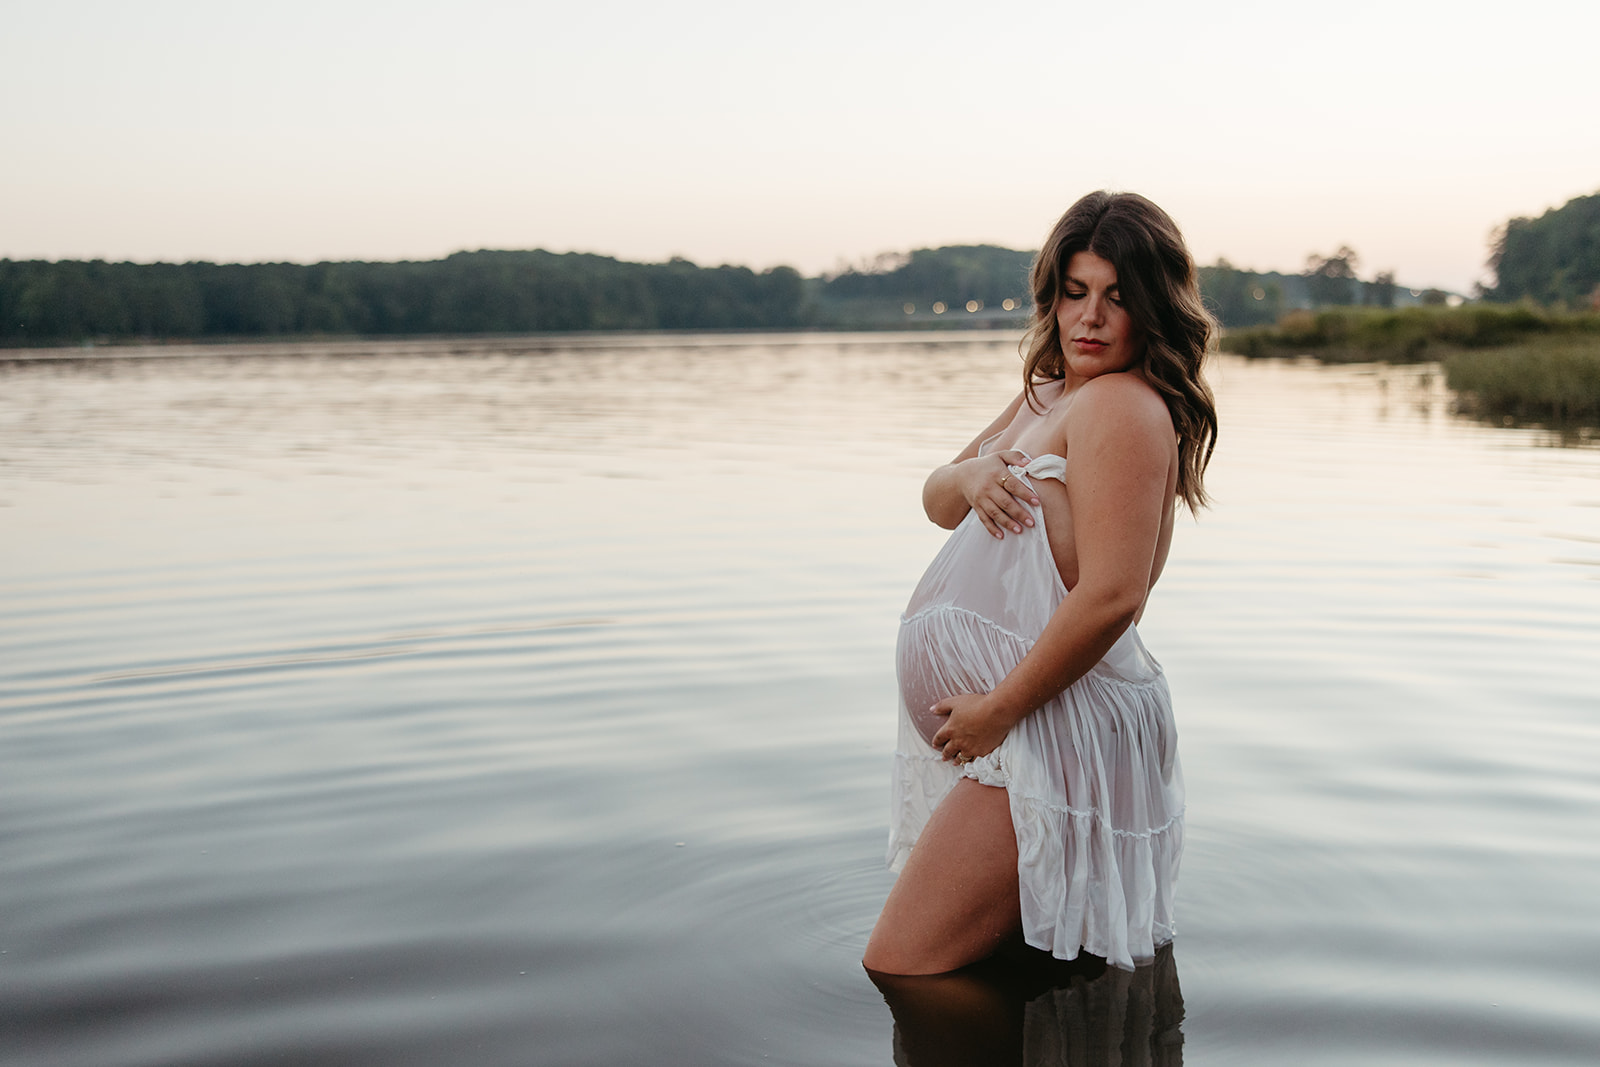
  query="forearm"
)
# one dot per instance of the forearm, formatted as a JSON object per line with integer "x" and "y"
{"x": 1081, "y": 631}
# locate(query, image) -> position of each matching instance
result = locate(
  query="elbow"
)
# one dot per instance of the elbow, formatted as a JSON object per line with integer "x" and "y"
{"x": 941, "y": 510}
{"x": 1114, "y": 607}
{"x": 1120, "y": 618}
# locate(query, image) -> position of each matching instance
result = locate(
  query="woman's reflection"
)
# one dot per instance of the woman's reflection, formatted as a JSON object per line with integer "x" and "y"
{"x": 1023, "y": 1007}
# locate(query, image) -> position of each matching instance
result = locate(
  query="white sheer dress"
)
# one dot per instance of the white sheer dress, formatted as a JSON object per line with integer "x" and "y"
{"x": 1095, "y": 787}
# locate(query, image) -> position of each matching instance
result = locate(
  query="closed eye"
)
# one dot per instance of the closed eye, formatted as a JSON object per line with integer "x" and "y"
{"x": 1068, "y": 294}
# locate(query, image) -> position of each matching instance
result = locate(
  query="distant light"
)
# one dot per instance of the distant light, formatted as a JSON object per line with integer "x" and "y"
{"x": 1454, "y": 300}
{"x": 1259, "y": 293}
{"x": 1009, "y": 304}
{"x": 909, "y": 308}
{"x": 973, "y": 305}
{"x": 938, "y": 307}
{"x": 1416, "y": 292}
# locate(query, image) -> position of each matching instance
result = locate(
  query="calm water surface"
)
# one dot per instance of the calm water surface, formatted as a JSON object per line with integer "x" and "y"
{"x": 531, "y": 702}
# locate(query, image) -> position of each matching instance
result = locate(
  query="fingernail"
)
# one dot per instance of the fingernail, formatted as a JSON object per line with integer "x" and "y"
{"x": 1028, "y": 521}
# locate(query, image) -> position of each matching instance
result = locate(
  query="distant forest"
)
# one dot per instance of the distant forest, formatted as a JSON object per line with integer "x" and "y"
{"x": 986, "y": 275}
{"x": 470, "y": 292}
{"x": 1552, "y": 260}
{"x": 544, "y": 292}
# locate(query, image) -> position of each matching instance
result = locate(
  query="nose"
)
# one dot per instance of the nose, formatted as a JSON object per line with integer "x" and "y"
{"x": 1094, "y": 309}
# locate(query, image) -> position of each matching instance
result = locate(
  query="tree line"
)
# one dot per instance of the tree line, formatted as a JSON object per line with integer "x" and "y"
{"x": 988, "y": 274}
{"x": 953, "y": 274}
{"x": 1255, "y": 298}
{"x": 469, "y": 292}
{"x": 1552, "y": 260}
{"x": 537, "y": 291}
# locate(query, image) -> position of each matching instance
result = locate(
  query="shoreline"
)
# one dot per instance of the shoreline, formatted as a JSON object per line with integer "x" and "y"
{"x": 394, "y": 344}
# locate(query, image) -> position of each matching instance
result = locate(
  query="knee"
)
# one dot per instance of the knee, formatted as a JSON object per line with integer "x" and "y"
{"x": 879, "y": 960}
{"x": 897, "y": 956}
{"x": 889, "y": 964}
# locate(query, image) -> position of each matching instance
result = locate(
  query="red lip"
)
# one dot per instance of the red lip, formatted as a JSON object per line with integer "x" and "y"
{"x": 1086, "y": 342}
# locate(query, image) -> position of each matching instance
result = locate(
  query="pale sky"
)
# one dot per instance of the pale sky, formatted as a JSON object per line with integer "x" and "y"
{"x": 809, "y": 134}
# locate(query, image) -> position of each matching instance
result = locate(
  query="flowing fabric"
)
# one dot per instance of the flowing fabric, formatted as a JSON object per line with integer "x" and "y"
{"x": 1096, "y": 791}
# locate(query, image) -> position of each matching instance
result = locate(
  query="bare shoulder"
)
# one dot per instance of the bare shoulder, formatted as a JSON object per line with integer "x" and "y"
{"x": 1121, "y": 403}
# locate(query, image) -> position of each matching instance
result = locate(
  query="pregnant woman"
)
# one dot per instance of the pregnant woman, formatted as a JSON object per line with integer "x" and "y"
{"x": 1036, "y": 785}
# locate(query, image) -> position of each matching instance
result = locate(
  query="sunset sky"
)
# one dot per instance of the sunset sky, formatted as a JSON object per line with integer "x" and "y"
{"x": 811, "y": 134}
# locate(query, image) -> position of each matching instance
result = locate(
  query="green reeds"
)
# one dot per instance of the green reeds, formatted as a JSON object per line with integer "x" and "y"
{"x": 1407, "y": 335}
{"x": 1555, "y": 380}
{"x": 1513, "y": 362}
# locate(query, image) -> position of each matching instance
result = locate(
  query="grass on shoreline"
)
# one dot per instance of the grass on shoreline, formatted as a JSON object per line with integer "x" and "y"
{"x": 1406, "y": 335}
{"x": 1511, "y": 361}
{"x": 1557, "y": 380}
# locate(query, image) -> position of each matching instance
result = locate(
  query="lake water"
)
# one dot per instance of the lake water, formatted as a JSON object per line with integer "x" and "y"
{"x": 531, "y": 702}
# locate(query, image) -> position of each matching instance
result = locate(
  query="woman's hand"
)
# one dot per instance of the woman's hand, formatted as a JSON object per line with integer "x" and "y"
{"x": 969, "y": 730}
{"x": 991, "y": 490}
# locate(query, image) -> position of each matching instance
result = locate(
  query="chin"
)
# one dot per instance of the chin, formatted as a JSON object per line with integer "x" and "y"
{"x": 1094, "y": 367}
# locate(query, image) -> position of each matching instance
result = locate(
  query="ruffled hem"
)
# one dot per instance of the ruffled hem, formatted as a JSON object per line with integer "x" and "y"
{"x": 1096, "y": 799}
{"x": 1116, "y": 899}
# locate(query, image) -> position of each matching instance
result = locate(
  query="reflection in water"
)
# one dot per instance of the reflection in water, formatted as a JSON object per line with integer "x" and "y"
{"x": 1028, "y": 1009}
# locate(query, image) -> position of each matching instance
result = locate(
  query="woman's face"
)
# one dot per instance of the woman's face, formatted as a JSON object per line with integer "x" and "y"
{"x": 1097, "y": 334}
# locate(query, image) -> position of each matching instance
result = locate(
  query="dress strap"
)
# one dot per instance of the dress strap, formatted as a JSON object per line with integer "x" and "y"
{"x": 1046, "y": 466}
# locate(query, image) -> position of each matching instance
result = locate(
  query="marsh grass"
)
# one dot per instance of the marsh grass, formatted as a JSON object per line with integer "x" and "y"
{"x": 1406, "y": 335}
{"x": 1556, "y": 380}
{"x": 1513, "y": 362}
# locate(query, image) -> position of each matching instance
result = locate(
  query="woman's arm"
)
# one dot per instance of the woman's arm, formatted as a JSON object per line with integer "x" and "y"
{"x": 1120, "y": 448}
{"x": 972, "y": 481}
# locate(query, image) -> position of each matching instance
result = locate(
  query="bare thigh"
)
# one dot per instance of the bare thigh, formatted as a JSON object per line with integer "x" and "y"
{"x": 956, "y": 900}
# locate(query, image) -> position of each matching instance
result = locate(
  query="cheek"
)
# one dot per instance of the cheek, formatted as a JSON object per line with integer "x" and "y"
{"x": 1131, "y": 335}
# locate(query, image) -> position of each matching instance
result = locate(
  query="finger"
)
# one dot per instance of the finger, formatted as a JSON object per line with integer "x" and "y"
{"x": 1014, "y": 489}
{"x": 1013, "y": 512}
{"x": 988, "y": 521}
{"x": 1005, "y": 512}
{"x": 941, "y": 708}
{"x": 997, "y": 505}
{"x": 1001, "y": 519}
{"x": 1016, "y": 512}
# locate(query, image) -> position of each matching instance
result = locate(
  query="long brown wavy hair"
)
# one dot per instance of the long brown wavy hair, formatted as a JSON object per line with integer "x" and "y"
{"x": 1161, "y": 291}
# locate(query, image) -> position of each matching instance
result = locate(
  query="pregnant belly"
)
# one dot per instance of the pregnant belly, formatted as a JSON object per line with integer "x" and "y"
{"x": 944, "y": 651}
